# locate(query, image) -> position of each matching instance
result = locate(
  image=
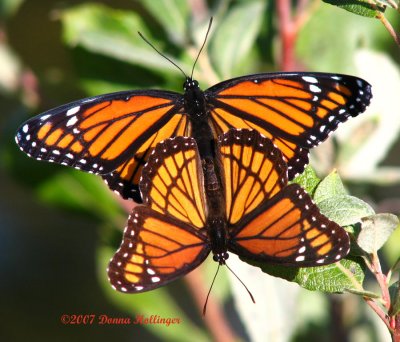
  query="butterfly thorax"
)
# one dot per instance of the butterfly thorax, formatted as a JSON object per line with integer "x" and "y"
{"x": 218, "y": 239}
{"x": 195, "y": 102}
{"x": 196, "y": 109}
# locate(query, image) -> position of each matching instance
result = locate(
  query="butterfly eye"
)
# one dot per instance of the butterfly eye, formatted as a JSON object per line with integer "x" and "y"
{"x": 221, "y": 257}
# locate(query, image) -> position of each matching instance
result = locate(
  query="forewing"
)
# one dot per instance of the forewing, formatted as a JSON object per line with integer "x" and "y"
{"x": 105, "y": 133}
{"x": 124, "y": 180}
{"x": 296, "y": 110}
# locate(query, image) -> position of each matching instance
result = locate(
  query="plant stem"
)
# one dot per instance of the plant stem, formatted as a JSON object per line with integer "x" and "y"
{"x": 287, "y": 34}
{"x": 381, "y": 278}
{"x": 378, "y": 311}
{"x": 389, "y": 27}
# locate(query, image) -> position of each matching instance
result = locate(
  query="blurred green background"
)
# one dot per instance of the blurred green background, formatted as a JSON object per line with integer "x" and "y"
{"x": 58, "y": 226}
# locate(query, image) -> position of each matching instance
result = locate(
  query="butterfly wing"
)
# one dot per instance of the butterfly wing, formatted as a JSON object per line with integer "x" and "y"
{"x": 172, "y": 181}
{"x": 155, "y": 250}
{"x": 104, "y": 134}
{"x": 125, "y": 179}
{"x": 253, "y": 171}
{"x": 290, "y": 230}
{"x": 297, "y": 111}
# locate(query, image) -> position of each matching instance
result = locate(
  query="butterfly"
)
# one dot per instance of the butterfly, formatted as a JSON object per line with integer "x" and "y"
{"x": 114, "y": 134}
{"x": 263, "y": 218}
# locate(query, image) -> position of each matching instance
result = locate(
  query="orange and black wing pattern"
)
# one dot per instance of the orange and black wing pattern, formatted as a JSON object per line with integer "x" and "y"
{"x": 165, "y": 238}
{"x": 156, "y": 249}
{"x": 172, "y": 181}
{"x": 268, "y": 220}
{"x": 297, "y": 111}
{"x": 110, "y": 134}
{"x": 290, "y": 230}
{"x": 253, "y": 171}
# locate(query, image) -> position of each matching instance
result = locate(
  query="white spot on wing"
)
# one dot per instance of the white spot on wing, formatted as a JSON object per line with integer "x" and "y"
{"x": 155, "y": 279}
{"x": 72, "y": 121}
{"x": 44, "y": 117}
{"x": 310, "y": 79}
{"x": 302, "y": 249}
{"x": 73, "y": 110}
{"x": 315, "y": 89}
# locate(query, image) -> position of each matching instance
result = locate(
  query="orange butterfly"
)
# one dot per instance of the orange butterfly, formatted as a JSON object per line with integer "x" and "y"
{"x": 114, "y": 134}
{"x": 262, "y": 218}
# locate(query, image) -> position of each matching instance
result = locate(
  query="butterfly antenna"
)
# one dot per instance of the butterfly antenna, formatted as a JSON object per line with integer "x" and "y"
{"x": 248, "y": 291}
{"x": 201, "y": 49}
{"x": 209, "y": 291}
{"x": 161, "y": 54}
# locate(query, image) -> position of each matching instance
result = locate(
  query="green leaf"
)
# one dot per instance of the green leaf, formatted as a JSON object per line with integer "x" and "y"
{"x": 344, "y": 275}
{"x": 235, "y": 36}
{"x": 345, "y": 210}
{"x": 156, "y": 302}
{"x": 394, "y": 291}
{"x": 375, "y": 230}
{"x": 360, "y": 7}
{"x": 172, "y": 15}
{"x": 113, "y": 33}
{"x": 308, "y": 180}
{"x": 329, "y": 187}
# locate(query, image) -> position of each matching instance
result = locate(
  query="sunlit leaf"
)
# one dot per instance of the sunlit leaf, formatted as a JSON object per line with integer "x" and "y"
{"x": 338, "y": 277}
{"x": 308, "y": 180}
{"x": 375, "y": 230}
{"x": 364, "y": 8}
{"x": 345, "y": 210}
{"x": 329, "y": 187}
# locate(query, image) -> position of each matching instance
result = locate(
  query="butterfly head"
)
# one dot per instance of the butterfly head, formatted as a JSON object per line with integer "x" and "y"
{"x": 218, "y": 239}
{"x": 190, "y": 84}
